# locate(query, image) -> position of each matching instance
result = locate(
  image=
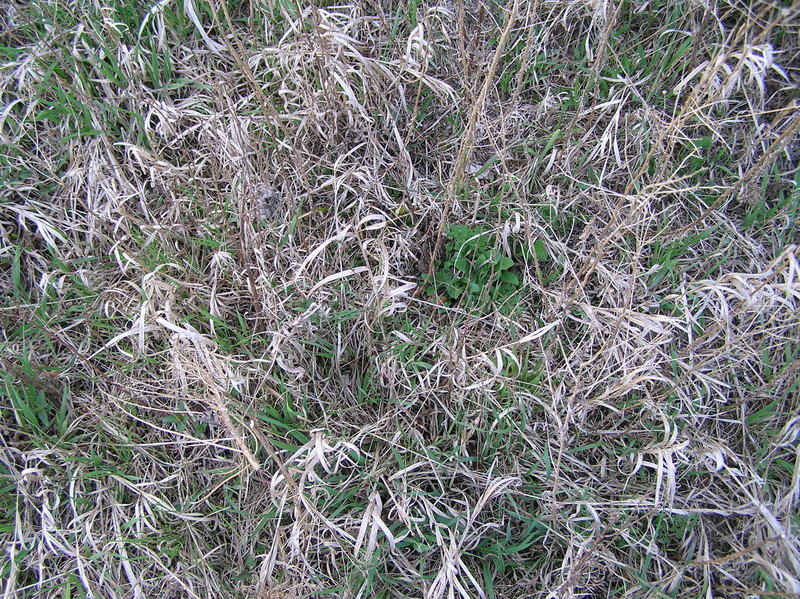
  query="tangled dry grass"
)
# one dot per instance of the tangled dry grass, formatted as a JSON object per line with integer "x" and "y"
{"x": 224, "y": 372}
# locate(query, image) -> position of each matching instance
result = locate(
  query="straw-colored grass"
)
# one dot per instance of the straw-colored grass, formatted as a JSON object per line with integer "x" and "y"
{"x": 399, "y": 300}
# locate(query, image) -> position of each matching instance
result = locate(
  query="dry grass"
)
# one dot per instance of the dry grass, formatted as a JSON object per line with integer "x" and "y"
{"x": 224, "y": 374}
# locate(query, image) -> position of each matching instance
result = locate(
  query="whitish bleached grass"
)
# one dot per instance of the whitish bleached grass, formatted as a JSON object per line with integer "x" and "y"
{"x": 210, "y": 391}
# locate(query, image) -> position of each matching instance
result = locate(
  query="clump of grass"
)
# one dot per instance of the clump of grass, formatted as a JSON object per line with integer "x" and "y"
{"x": 522, "y": 322}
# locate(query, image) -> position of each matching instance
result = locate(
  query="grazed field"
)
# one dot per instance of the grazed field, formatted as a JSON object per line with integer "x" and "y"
{"x": 458, "y": 299}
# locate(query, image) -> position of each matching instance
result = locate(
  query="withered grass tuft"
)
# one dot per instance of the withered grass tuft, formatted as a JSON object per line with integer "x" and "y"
{"x": 399, "y": 300}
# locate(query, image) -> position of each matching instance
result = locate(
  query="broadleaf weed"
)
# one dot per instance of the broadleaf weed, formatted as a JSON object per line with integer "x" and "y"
{"x": 474, "y": 273}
